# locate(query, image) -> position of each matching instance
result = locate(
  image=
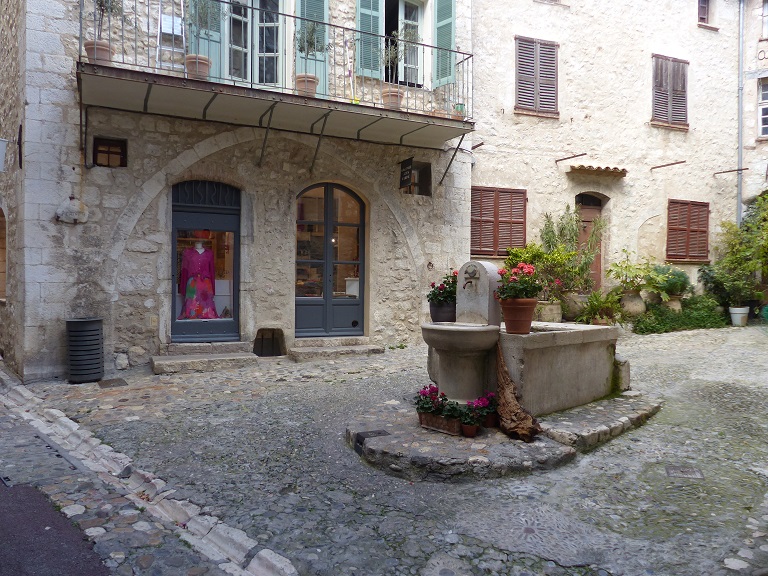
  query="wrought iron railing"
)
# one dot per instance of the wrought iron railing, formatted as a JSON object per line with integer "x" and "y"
{"x": 235, "y": 44}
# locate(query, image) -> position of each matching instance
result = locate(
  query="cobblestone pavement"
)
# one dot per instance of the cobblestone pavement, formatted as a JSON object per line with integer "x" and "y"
{"x": 263, "y": 450}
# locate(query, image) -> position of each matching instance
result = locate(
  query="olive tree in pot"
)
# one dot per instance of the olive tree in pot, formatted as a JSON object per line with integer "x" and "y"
{"x": 310, "y": 44}
{"x": 203, "y": 16}
{"x": 396, "y": 46}
{"x": 99, "y": 50}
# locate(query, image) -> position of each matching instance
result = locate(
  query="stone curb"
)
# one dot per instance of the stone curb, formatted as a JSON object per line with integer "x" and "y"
{"x": 228, "y": 547}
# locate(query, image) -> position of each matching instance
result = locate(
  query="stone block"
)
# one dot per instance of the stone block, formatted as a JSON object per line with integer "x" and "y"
{"x": 621, "y": 373}
{"x": 232, "y": 541}
{"x": 201, "y": 525}
{"x": 269, "y": 563}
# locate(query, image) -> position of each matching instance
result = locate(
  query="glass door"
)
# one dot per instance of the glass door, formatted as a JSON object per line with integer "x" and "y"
{"x": 329, "y": 267}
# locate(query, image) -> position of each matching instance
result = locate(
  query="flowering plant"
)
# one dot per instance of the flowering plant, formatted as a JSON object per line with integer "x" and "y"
{"x": 471, "y": 414}
{"x": 522, "y": 281}
{"x": 445, "y": 291}
{"x": 431, "y": 400}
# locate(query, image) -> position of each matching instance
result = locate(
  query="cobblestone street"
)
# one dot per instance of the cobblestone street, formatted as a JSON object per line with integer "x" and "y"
{"x": 263, "y": 450}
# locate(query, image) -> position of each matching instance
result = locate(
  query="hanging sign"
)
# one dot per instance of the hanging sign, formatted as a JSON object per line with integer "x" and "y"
{"x": 406, "y": 167}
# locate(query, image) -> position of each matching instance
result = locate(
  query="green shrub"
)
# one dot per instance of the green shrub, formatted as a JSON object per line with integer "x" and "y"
{"x": 698, "y": 312}
{"x": 670, "y": 280}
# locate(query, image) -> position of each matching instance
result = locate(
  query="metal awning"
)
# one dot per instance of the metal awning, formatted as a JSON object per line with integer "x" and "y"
{"x": 598, "y": 170}
{"x": 149, "y": 93}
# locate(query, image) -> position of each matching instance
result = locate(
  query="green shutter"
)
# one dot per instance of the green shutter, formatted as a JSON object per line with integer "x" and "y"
{"x": 445, "y": 40}
{"x": 316, "y": 10}
{"x": 369, "y": 19}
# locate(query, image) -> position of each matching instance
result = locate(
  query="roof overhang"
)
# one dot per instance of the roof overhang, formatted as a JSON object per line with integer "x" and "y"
{"x": 598, "y": 171}
{"x": 148, "y": 93}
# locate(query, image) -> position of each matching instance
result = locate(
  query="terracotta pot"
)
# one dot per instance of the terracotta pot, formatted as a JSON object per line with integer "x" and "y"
{"x": 391, "y": 96}
{"x": 632, "y": 303}
{"x": 450, "y": 426}
{"x": 674, "y": 303}
{"x": 573, "y": 304}
{"x": 98, "y": 51}
{"x": 491, "y": 420}
{"x": 197, "y": 66}
{"x": 442, "y": 311}
{"x": 306, "y": 84}
{"x": 470, "y": 430}
{"x": 518, "y": 314}
{"x": 547, "y": 311}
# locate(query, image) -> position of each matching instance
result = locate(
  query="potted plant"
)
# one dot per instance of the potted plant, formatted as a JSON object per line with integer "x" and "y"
{"x": 517, "y": 292}
{"x": 471, "y": 415}
{"x": 201, "y": 14}
{"x": 442, "y": 298}
{"x": 487, "y": 405}
{"x": 436, "y": 412}
{"x": 99, "y": 50}
{"x": 309, "y": 43}
{"x": 395, "y": 47}
{"x": 602, "y": 308}
{"x": 632, "y": 277}
{"x": 669, "y": 283}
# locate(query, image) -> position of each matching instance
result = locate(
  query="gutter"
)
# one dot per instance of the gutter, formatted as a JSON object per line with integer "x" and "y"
{"x": 740, "y": 136}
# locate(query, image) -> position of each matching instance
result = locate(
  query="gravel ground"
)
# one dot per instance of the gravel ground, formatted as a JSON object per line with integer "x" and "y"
{"x": 264, "y": 450}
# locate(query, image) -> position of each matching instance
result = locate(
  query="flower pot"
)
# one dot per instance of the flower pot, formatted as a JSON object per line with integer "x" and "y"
{"x": 518, "y": 314}
{"x": 573, "y": 304}
{"x": 442, "y": 311}
{"x": 548, "y": 311}
{"x": 632, "y": 303}
{"x": 391, "y": 96}
{"x": 491, "y": 420}
{"x": 470, "y": 430}
{"x": 306, "y": 84}
{"x": 197, "y": 66}
{"x": 674, "y": 303}
{"x": 98, "y": 51}
{"x": 739, "y": 315}
{"x": 442, "y": 424}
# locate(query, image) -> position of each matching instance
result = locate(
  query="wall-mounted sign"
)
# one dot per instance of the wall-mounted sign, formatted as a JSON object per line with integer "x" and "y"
{"x": 406, "y": 167}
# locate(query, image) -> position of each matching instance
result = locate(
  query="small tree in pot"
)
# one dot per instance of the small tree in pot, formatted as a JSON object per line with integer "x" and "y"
{"x": 99, "y": 50}
{"x": 395, "y": 48}
{"x": 309, "y": 43}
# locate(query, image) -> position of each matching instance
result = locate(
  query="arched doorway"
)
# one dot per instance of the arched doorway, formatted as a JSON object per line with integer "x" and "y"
{"x": 329, "y": 262}
{"x": 590, "y": 207}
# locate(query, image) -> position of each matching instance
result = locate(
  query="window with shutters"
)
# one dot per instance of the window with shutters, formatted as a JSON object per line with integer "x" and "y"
{"x": 498, "y": 220}
{"x": 704, "y": 11}
{"x": 762, "y": 106}
{"x": 688, "y": 230}
{"x": 535, "y": 76}
{"x": 670, "y": 92}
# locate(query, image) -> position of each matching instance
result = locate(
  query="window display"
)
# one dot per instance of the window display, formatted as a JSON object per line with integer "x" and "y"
{"x": 204, "y": 264}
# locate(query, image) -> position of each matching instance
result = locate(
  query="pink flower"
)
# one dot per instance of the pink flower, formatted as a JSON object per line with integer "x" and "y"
{"x": 455, "y": 272}
{"x": 432, "y": 285}
{"x": 441, "y": 287}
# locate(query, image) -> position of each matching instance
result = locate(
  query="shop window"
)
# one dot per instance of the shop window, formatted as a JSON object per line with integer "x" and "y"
{"x": 498, "y": 220}
{"x": 110, "y": 153}
{"x": 3, "y": 257}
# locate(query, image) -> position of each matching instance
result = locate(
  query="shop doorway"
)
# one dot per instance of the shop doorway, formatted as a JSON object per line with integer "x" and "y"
{"x": 330, "y": 280}
{"x": 206, "y": 262}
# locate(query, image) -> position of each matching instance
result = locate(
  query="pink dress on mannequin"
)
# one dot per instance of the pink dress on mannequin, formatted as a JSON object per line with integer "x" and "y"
{"x": 197, "y": 285}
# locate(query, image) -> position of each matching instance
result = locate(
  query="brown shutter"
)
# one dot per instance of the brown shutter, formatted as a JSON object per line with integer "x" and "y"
{"x": 497, "y": 220}
{"x": 703, "y": 11}
{"x": 679, "y": 98}
{"x": 525, "y": 73}
{"x": 660, "y": 89}
{"x": 547, "y": 60}
{"x": 687, "y": 230}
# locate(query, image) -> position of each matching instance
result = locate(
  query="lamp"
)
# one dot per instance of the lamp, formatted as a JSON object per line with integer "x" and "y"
{"x": 3, "y": 146}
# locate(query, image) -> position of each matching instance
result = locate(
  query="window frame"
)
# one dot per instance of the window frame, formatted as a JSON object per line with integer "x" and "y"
{"x": 762, "y": 108}
{"x": 670, "y": 92}
{"x": 112, "y": 148}
{"x": 685, "y": 231}
{"x": 480, "y": 220}
{"x": 530, "y": 84}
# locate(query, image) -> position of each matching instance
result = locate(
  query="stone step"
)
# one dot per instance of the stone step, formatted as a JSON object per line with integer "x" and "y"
{"x": 177, "y": 349}
{"x": 333, "y": 341}
{"x": 188, "y": 363}
{"x": 305, "y": 353}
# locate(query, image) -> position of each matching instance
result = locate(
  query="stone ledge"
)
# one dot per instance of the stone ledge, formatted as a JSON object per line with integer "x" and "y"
{"x": 305, "y": 353}
{"x": 332, "y": 341}
{"x": 201, "y": 362}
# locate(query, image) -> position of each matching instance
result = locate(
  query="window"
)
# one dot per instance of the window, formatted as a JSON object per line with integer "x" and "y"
{"x": 670, "y": 94}
{"x": 110, "y": 153}
{"x": 498, "y": 220}
{"x": 535, "y": 76}
{"x": 765, "y": 19}
{"x": 253, "y": 41}
{"x": 687, "y": 230}
{"x": 704, "y": 11}
{"x": 762, "y": 106}
{"x": 421, "y": 180}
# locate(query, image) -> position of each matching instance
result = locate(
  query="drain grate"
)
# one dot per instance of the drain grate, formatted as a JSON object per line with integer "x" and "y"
{"x": 684, "y": 472}
{"x": 361, "y": 437}
{"x": 7, "y": 481}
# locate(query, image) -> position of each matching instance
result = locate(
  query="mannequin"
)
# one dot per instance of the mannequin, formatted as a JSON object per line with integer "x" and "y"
{"x": 197, "y": 283}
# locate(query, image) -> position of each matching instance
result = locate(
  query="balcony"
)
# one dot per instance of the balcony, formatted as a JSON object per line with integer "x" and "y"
{"x": 229, "y": 62}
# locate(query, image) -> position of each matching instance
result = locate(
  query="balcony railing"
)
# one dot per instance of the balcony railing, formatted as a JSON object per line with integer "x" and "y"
{"x": 234, "y": 44}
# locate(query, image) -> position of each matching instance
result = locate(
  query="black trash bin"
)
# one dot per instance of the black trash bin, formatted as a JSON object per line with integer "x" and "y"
{"x": 85, "y": 341}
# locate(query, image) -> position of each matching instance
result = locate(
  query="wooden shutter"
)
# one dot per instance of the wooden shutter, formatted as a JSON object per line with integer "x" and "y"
{"x": 445, "y": 41}
{"x": 670, "y": 90}
{"x": 525, "y": 73}
{"x": 536, "y": 75}
{"x": 687, "y": 230}
{"x": 370, "y": 19}
{"x": 497, "y": 220}
{"x": 547, "y": 77}
{"x": 703, "y": 11}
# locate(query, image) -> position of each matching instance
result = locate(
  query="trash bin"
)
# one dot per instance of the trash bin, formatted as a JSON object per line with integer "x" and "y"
{"x": 85, "y": 341}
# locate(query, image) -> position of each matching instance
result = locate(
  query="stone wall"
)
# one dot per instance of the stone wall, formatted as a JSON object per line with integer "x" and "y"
{"x": 604, "y": 102}
{"x": 12, "y": 39}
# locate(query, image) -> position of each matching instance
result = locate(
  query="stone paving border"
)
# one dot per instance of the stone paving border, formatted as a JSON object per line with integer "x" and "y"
{"x": 228, "y": 547}
{"x": 408, "y": 451}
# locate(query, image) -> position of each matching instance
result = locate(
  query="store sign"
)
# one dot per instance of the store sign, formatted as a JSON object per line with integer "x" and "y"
{"x": 406, "y": 167}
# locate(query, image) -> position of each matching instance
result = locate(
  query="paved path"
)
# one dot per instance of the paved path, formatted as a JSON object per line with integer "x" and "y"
{"x": 262, "y": 452}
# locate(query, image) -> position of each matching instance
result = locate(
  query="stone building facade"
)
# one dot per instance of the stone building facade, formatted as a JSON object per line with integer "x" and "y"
{"x": 87, "y": 237}
{"x": 594, "y": 109}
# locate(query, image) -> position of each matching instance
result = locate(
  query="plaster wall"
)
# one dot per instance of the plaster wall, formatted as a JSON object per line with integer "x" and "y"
{"x": 604, "y": 101}
{"x": 12, "y": 75}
